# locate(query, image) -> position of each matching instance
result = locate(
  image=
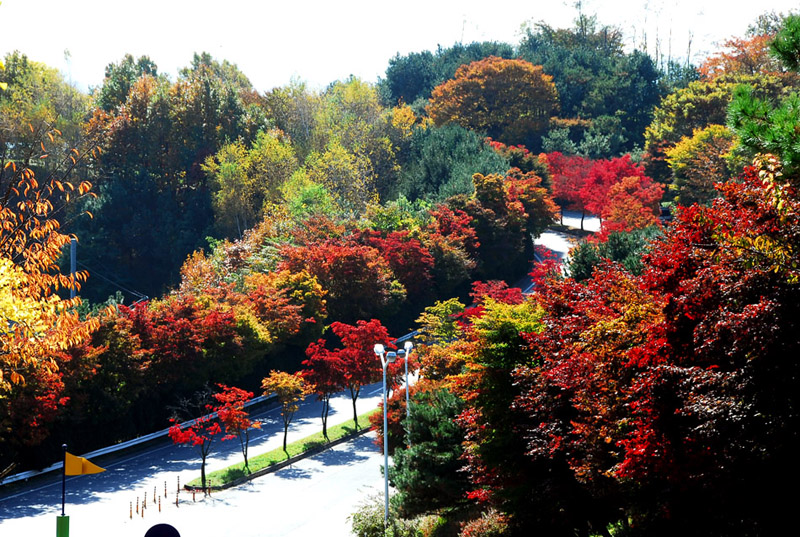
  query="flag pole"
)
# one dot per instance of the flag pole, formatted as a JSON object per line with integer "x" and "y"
{"x": 62, "y": 522}
{"x": 64, "y": 480}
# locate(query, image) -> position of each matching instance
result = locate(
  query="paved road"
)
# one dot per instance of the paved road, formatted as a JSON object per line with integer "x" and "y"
{"x": 98, "y": 504}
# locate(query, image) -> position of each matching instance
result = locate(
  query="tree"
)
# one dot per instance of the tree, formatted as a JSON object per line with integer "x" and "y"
{"x": 624, "y": 247}
{"x": 347, "y": 175}
{"x": 290, "y": 390}
{"x": 199, "y": 432}
{"x": 596, "y": 78}
{"x": 357, "y": 281}
{"x": 696, "y": 106}
{"x": 245, "y": 179}
{"x": 234, "y": 417}
{"x": 633, "y": 203}
{"x": 569, "y": 175}
{"x": 153, "y": 151}
{"x": 700, "y": 161}
{"x": 742, "y": 56}
{"x": 411, "y": 78}
{"x": 119, "y": 79}
{"x": 357, "y": 359}
{"x": 429, "y": 474}
{"x": 323, "y": 370}
{"x": 508, "y": 100}
{"x": 440, "y": 162}
{"x": 606, "y": 173}
{"x": 37, "y": 183}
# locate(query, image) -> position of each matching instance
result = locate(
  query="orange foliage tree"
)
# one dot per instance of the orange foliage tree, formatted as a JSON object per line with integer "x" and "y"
{"x": 35, "y": 322}
{"x": 507, "y": 99}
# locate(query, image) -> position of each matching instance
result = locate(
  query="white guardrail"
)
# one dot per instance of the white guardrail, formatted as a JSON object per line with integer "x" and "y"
{"x": 122, "y": 446}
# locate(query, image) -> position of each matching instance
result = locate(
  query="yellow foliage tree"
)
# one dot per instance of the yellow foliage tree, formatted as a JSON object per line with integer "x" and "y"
{"x": 290, "y": 390}
{"x": 509, "y": 100}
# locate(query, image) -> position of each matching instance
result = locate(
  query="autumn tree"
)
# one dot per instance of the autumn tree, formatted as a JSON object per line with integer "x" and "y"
{"x": 244, "y": 179}
{"x": 357, "y": 281}
{"x": 509, "y": 100}
{"x": 155, "y": 199}
{"x": 700, "y": 104}
{"x": 290, "y": 390}
{"x": 742, "y": 56}
{"x": 199, "y": 432}
{"x": 700, "y": 161}
{"x": 356, "y": 362}
{"x": 38, "y": 181}
{"x": 412, "y": 77}
{"x": 323, "y": 370}
{"x": 232, "y": 415}
{"x": 633, "y": 203}
{"x": 569, "y": 175}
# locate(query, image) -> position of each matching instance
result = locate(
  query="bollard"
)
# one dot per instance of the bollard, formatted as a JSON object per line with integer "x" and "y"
{"x": 137, "y": 505}
{"x": 154, "y": 494}
{"x": 193, "y": 493}
{"x": 159, "y": 505}
{"x": 131, "y": 510}
{"x": 179, "y": 483}
{"x": 165, "y": 489}
{"x": 176, "y": 500}
{"x": 143, "y": 511}
{"x": 144, "y": 501}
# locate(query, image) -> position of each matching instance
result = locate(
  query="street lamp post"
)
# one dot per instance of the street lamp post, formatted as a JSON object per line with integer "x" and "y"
{"x": 386, "y": 359}
{"x": 405, "y": 353}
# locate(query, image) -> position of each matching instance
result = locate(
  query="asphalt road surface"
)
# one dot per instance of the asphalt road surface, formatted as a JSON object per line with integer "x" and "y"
{"x": 313, "y": 494}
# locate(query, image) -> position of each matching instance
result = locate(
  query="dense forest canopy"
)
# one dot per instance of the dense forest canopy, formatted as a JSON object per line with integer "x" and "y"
{"x": 224, "y": 232}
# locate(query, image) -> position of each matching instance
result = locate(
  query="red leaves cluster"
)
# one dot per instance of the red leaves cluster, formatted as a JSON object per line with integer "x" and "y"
{"x": 668, "y": 396}
{"x": 617, "y": 190}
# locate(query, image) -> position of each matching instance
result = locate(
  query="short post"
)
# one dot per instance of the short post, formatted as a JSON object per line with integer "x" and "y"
{"x": 131, "y": 506}
{"x": 159, "y": 504}
{"x": 165, "y": 489}
{"x": 62, "y": 526}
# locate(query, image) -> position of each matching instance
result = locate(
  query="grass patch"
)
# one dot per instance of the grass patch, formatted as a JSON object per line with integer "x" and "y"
{"x": 265, "y": 460}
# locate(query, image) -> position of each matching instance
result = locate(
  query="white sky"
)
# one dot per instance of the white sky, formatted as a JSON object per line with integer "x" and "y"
{"x": 320, "y": 41}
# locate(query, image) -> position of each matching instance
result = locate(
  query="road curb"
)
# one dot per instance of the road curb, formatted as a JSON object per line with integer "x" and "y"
{"x": 283, "y": 464}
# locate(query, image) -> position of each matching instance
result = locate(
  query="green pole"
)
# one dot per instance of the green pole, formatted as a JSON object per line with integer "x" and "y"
{"x": 62, "y": 526}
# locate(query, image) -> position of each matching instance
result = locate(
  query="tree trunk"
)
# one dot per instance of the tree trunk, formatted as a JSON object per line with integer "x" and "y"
{"x": 203, "y": 473}
{"x": 325, "y": 407}
{"x": 285, "y": 434}
{"x": 245, "y": 445}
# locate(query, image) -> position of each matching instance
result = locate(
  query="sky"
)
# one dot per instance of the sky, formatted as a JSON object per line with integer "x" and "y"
{"x": 320, "y": 41}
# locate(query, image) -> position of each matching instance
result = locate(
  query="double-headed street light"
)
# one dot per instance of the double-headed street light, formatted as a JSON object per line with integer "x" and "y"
{"x": 405, "y": 353}
{"x": 386, "y": 359}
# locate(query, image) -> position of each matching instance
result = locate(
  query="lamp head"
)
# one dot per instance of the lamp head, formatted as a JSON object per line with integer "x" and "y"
{"x": 408, "y": 346}
{"x": 379, "y": 349}
{"x": 401, "y": 353}
{"x": 391, "y": 357}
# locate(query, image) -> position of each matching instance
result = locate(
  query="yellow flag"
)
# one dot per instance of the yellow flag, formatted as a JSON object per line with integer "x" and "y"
{"x": 79, "y": 466}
